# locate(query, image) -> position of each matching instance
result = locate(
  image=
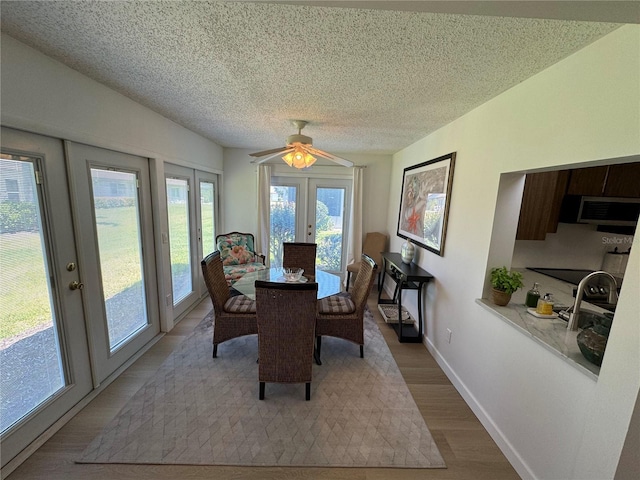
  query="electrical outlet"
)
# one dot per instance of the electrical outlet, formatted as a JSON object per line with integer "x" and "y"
{"x": 448, "y": 335}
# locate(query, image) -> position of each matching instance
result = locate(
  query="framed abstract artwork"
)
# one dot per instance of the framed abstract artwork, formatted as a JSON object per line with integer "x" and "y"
{"x": 424, "y": 202}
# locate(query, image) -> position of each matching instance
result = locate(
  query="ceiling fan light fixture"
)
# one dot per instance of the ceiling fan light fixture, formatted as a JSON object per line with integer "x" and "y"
{"x": 299, "y": 150}
{"x": 299, "y": 158}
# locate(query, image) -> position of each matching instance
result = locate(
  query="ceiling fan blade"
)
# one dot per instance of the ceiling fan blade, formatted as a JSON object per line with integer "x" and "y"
{"x": 269, "y": 157}
{"x": 342, "y": 161}
{"x": 267, "y": 152}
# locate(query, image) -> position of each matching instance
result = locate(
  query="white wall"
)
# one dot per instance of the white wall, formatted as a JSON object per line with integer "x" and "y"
{"x": 43, "y": 96}
{"x": 550, "y": 420}
{"x": 240, "y": 209}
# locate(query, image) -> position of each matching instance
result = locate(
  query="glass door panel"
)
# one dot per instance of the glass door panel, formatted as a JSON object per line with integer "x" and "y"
{"x": 207, "y": 217}
{"x": 44, "y": 355}
{"x": 179, "y": 238}
{"x": 30, "y": 351}
{"x": 117, "y": 214}
{"x": 184, "y": 231}
{"x": 283, "y": 223}
{"x": 330, "y": 221}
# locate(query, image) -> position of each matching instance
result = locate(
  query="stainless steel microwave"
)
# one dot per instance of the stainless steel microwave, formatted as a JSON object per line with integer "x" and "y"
{"x": 600, "y": 210}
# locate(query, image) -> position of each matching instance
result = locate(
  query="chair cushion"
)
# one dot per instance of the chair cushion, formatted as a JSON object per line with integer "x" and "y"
{"x": 236, "y": 255}
{"x": 240, "y": 304}
{"x": 236, "y": 249}
{"x": 233, "y": 273}
{"x": 336, "y": 304}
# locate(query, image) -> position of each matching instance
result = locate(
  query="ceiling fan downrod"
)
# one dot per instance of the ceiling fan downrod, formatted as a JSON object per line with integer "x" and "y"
{"x": 299, "y": 138}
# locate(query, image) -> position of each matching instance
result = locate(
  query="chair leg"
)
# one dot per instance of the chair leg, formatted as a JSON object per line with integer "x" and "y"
{"x": 361, "y": 351}
{"x": 261, "y": 396}
{"x": 308, "y": 391}
{"x": 215, "y": 350}
{"x": 348, "y": 279}
{"x": 317, "y": 352}
{"x": 316, "y": 357}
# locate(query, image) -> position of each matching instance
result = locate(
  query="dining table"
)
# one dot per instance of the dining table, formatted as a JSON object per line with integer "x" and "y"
{"x": 328, "y": 283}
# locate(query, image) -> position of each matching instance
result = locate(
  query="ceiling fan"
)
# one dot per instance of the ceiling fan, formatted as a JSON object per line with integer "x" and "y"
{"x": 299, "y": 151}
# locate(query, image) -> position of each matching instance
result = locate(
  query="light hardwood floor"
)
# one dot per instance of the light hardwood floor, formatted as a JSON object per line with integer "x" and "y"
{"x": 467, "y": 448}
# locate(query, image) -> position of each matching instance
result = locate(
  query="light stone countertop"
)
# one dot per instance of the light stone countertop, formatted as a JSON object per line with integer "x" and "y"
{"x": 551, "y": 333}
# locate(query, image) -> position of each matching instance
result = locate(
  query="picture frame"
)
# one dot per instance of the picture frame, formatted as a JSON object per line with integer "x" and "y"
{"x": 424, "y": 202}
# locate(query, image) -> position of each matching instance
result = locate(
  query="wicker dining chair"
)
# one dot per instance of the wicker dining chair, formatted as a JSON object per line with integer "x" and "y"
{"x": 300, "y": 255}
{"x": 342, "y": 315}
{"x": 234, "y": 316}
{"x": 286, "y": 314}
{"x": 374, "y": 244}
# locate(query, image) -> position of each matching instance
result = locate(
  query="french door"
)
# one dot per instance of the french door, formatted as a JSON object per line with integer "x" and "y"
{"x": 112, "y": 200}
{"x": 313, "y": 210}
{"x": 44, "y": 356}
{"x": 192, "y": 205}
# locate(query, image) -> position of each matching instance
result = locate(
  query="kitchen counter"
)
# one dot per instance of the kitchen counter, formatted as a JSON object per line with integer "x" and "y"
{"x": 551, "y": 333}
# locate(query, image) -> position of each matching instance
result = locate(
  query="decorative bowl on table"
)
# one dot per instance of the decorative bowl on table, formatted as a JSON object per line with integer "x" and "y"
{"x": 292, "y": 274}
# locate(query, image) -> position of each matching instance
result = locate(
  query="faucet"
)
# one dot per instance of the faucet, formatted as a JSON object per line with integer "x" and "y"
{"x": 575, "y": 310}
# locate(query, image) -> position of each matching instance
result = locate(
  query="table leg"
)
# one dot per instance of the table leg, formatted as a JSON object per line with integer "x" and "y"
{"x": 420, "y": 285}
{"x": 399, "y": 310}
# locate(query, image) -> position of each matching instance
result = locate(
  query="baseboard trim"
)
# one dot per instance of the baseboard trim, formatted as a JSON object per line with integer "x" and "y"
{"x": 494, "y": 431}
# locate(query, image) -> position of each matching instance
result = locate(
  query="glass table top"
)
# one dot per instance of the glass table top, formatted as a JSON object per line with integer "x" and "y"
{"x": 328, "y": 283}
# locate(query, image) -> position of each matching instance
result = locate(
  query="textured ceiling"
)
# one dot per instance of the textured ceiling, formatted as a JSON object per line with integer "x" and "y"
{"x": 367, "y": 80}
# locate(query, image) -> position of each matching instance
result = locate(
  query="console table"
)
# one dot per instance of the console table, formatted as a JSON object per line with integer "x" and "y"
{"x": 406, "y": 277}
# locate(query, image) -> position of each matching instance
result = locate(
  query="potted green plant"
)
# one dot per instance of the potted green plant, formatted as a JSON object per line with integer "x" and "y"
{"x": 504, "y": 283}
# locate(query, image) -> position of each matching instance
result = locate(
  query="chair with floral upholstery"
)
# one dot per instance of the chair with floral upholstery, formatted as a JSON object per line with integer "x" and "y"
{"x": 238, "y": 255}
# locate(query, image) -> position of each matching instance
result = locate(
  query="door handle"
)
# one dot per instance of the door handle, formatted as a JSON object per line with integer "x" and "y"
{"x": 76, "y": 285}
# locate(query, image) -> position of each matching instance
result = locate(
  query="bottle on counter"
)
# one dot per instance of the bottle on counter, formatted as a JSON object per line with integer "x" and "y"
{"x": 545, "y": 305}
{"x": 532, "y": 296}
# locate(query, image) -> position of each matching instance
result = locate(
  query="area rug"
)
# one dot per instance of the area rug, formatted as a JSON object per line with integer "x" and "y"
{"x": 198, "y": 410}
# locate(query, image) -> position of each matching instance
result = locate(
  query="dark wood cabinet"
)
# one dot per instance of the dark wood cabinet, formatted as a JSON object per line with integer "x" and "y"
{"x": 620, "y": 180}
{"x": 543, "y": 193}
{"x": 541, "y": 202}
{"x": 587, "y": 181}
{"x": 623, "y": 180}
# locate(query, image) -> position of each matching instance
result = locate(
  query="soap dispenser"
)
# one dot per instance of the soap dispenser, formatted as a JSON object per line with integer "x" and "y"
{"x": 545, "y": 305}
{"x": 532, "y": 296}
